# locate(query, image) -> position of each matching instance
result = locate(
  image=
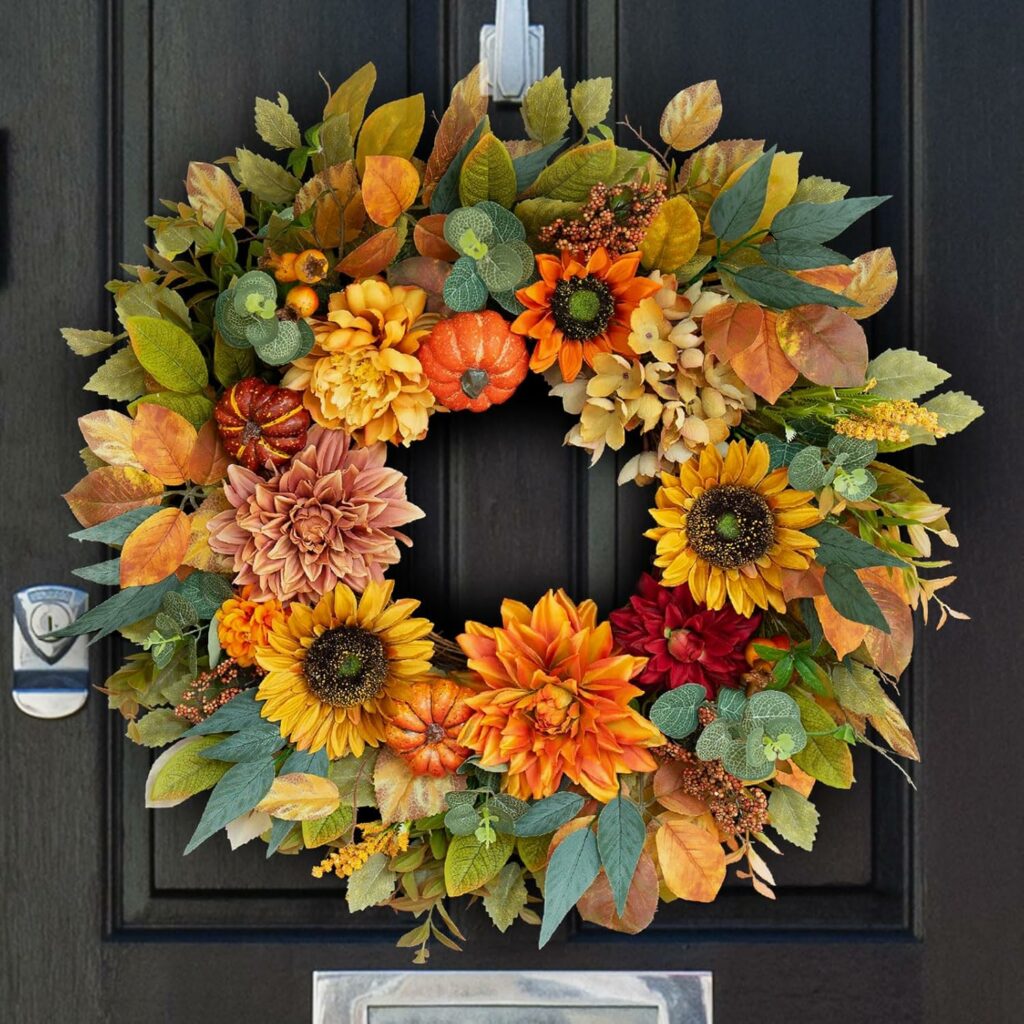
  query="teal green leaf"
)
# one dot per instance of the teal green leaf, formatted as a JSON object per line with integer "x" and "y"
{"x": 462, "y": 819}
{"x": 736, "y": 210}
{"x": 851, "y": 598}
{"x": 239, "y": 713}
{"x": 781, "y": 452}
{"x": 122, "y": 609}
{"x": 243, "y": 786}
{"x": 620, "y": 841}
{"x": 571, "y": 871}
{"x": 806, "y": 470}
{"x": 793, "y": 254}
{"x": 230, "y": 363}
{"x": 463, "y": 290}
{"x": 549, "y": 814}
{"x": 730, "y": 703}
{"x": 839, "y": 547}
{"x": 207, "y": 591}
{"x": 252, "y": 744}
{"x": 445, "y": 197}
{"x": 116, "y": 530}
{"x": 820, "y": 222}
{"x": 675, "y": 711}
{"x": 529, "y": 165}
{"x": 858, "y": 453}
{"x": 105, "y": 573}
{"x": 779, "y": 290}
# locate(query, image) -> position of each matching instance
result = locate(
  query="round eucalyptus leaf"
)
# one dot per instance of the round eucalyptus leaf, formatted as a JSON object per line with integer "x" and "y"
{"x": 501, "y": 269}
{"x": 230, "y": 323}
{"x": 287, "y": 344}
{"x": 261, "y": 332}
{"x": 467, "y": 226}
{"x": 507, "y": 226}
{"x": 463, "y": 290}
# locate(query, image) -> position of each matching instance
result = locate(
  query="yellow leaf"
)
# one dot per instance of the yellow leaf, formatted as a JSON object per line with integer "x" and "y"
{"x": 299, "y": 796}
{"x": 155, "y": 548}
{"x": 873, "y": 284}
{"x": 199, "y": 554}
{"x": 692, "y": 116}
{"x": 672, "y": 237}
{"x": 390, "y": 184}
{"x": 211, "y": 192}
{"x": 163, "y": 442}
{"x": 109, "y": 437}
{"x": 350, "y": 97}
{"x": 692, "y": 861}
{"x": 893, "y": 728}
{"x": 782, "y": 181}
{"x": 391, "y": 130}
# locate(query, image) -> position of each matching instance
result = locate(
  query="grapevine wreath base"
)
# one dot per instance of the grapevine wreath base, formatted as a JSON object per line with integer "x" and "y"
{"x": 302, "y": 311}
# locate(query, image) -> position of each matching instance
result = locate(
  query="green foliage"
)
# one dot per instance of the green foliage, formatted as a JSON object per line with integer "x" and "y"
{"x": 206, "y": 591}
{"x": 779, "y": 290}
{"x": 157, "y": 728}
{"x": 254, "y": 743}
{"x": 858, "y": 689}
{"x": 793, "y": 816}
{"x": 820, "y": 222}
{"x": 781, "y": 451}
{"x": 904, "y": 373}
{"x": 675, "y": 711}
{"x": 529, "y": 165}
{"x": 275, "y": 125}
{"x": 549, "y": 814}
{"x": 841, "y": 465}
{"x": 736, "y": 210}
{"x": 122, "y": 609}
{"x": 620, "y": 841}
{"x": 264, "y": 178}
{"x": 242, "y": 787}
{"x": 105, "y": 573}
{"x": 246, "y": 316}
{"x": 354, "y": 778}
{"x": 571, "y": 871}
{"x": 506, "y": 897}
{"x": 545, "y": 109}
{"x": 793, "y": 254}
{"x": 371, "y": 884}
{"x": 167, "y": 354}
{"x": 591, "y": 100}
{"x": 185, "y": 772}
{"x": 826, "y": 757}
{"x": 120, "y": 378}
{"x": 196, "y": 408}
{"x": 237, "y": 714}
{"x": 87, "y": 343}
{"x": 839, "y": 547}
{"x": 445, "y": 196}
{"x": 230, "y": 363}
{"x": 471, "y": 862}
{"x": 575, "y": 173}
{"x": 116, "y": 530}
{"x": 488, "y": 174}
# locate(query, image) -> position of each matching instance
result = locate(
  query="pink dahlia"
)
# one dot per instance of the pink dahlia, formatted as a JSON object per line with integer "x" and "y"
{"x": 329, "y": 516}
{"x": 685, "y": 642}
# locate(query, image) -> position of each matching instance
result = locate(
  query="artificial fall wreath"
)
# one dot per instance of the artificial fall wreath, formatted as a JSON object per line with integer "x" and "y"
{"x": 296, "y": 318}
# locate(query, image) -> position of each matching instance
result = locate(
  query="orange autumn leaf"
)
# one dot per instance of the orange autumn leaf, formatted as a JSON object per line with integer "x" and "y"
{"x": 597, "y": 904}
{"x": 109, "y": 437}
{"x": 428, "y": 237}
{"x": 669, "y": 792}
{"x": 835, "y": 278}
{"x": 373, "y": 255}
{"x": 338, "y": 213}
{"x": 763, "y": 366}
{"x": 731, "y": 327}
{"x": 110, "y": 490}
{"x": 890, "y": 651}
{"x": 795, "y": 778}
{"x": 692, "y": 860}
{"x": 163, "y": 442}
{"x": 873, "y": 283}
{"x": 842, "y": 634}
{"x": 468, "y": 104}
{"x": 809, "y": 582}
{"x": 155, "y": 548}
{"x": 390, "y": 184}
{"x": 208, "y": 462}
{"x": 893, "y": 728}
{"x": 824, "y": 344}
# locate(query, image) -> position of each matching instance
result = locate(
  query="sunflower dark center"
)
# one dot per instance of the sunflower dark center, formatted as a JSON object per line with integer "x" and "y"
{"x": 730, "y": 526}
{"x": 582, "y": 307}
{"x": 346, "y": 666}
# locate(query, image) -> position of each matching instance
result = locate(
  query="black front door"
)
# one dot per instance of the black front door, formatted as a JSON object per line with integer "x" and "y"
{"x": 905, "y": 910}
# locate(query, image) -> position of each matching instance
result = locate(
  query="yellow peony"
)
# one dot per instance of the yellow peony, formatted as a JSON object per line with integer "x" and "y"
{"x": 362, "y": 375}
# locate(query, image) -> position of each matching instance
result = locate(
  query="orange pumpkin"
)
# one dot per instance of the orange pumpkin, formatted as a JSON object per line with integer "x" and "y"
{"x": 473, "y": 361}
{"x": 424, "y": 729}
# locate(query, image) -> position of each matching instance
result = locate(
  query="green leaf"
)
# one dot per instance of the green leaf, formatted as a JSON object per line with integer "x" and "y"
{"x": 254, "y": 743}
{"x": 549, "y": 814}
{"x": 858, "y": 453}
{"x": 825, "y": 757}
{"x": 715, "y": 739}
{"x": 536, "y": 214}
{"x": 793, "y": 816}
{"x": 857, "y": 689}
{"x": 839, "y": 547}
{"x": 264, "y": 178}
{"x": 546, "y": 108}
{"x": 122, "y": 609}
{"x": 206, "y": 591}
{"x": 796, "y": 255}
{"x": 354, "y": 778}
{"x": 955, "y": 410}
{"x": 238, "y": 713}
{"x": 195, "y": 408}
{"x": 275, "y": 125}
{"x": 781, "y": 451}
{"x": 571, "y": 871}
{"x": 736, "y": 210}
{"x": 730, "y": 704}
{"x": 572, "y": 175}
{"x": 150, "y": 299}
{"x": 779, "y": 290}
{"x": 336, "y": 140}
{"x": 506, "y": 896}
{"x": 87, "y": 343}
{"x": 157, "y": 728}
{"x": 105, "y": 573}
{"x": 463, "y": 290}
{"x": 675, "y": 712}
{"x": 487, "y": 173}
{"x": 856, "y": 485}
{"x": 768, "y": 707}
{"x": 820, "y": 222}
{"x": 326, "y": 830}
{"x": 462, "y": 819}
{"x": 121, "y": 377}
{"x": 501, "y": 269}
{"x": 181, "y": 772}
{"x": 243, "y": 786}
{"x": 445, "y": 197}
{"x": 806, "y": 470}
{"x": 851, "y": 598}
{"x": 371, "y": 884}
{"x": 231, "y": 364}
{"x": 470, "y": 863}
{"x": 591, "y": 100}
{"x": 167, "y": 354}
{"x": 904, "y": 373}
{"x": 620, "y": 841}
{"x": 529, "y": 165}
{"x": 505, "y": 811}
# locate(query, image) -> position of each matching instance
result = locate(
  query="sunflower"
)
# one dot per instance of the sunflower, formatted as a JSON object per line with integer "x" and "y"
{"x": 579, "y": 309}
{"x": 556, "y": 700}
{"x": 332, "y": 669}
{"x": 728, "y": 527}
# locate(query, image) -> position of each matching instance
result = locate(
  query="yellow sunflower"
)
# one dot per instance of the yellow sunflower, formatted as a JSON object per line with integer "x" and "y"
{"x": 728, "y": 527}
{"x": 332, "y": 668}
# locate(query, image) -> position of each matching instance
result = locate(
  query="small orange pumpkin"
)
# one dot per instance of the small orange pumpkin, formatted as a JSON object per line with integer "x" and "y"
{"x": 424, "y": 729}
{"x": 473, "y": 361}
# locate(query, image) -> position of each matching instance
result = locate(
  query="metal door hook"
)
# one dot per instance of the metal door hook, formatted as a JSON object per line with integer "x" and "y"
{"x": 511, "y": 52}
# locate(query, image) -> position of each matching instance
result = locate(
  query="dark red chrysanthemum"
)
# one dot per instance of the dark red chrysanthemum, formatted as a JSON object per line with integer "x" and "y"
{"x": 685, "y": 642}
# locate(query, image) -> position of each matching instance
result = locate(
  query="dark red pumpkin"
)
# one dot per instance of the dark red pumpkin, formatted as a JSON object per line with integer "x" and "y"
{"x": 261, "y": 423}
{"x": 473, "y": 361}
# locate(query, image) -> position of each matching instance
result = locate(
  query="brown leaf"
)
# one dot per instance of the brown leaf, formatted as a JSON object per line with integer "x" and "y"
{"x": 692, "y": 860}
{"x": 211, "y": 192}
{"x": 109, "y": 437}
{"x": 731, "y": 327}
{"x": 423, "y": 272}
{"x": 890, "y": 651}
{"x": 163, "y": 442}
{"x": 339, "y": 213}
{"x": 893, "y": 728}
{"x": 873, "y": 284}
{"x": 669, "y": 792}
{"x": 401, "y": 795}
{"x": 763, "y": 366}
{"x": 809, "y": 582}
{"x": 372, "y": 256}
{"x": 428, "y": 236}
{"x": 390, "y": 184}
{"x": 597, "y": 904}
{"x": 155, "y": 548}
{"x": 691, "y": 116}
{"x": 468, "y": 104}
{"x": 824, "y": 344}
{"x": 111, "y": 490}
{"x": 208, "y": 462}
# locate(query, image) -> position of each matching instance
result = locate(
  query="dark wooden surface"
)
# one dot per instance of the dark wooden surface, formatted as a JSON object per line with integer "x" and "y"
{"x": 906, "y": 910}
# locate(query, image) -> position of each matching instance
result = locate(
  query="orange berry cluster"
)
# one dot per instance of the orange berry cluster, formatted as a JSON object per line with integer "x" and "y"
{"x": 209, "y": 691}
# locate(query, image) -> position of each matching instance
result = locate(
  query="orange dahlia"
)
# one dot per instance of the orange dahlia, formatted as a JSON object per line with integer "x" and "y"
{"x": 243, "y": 625}
{"x": 556, "y": 701}
{"x": 579, "y": 309}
